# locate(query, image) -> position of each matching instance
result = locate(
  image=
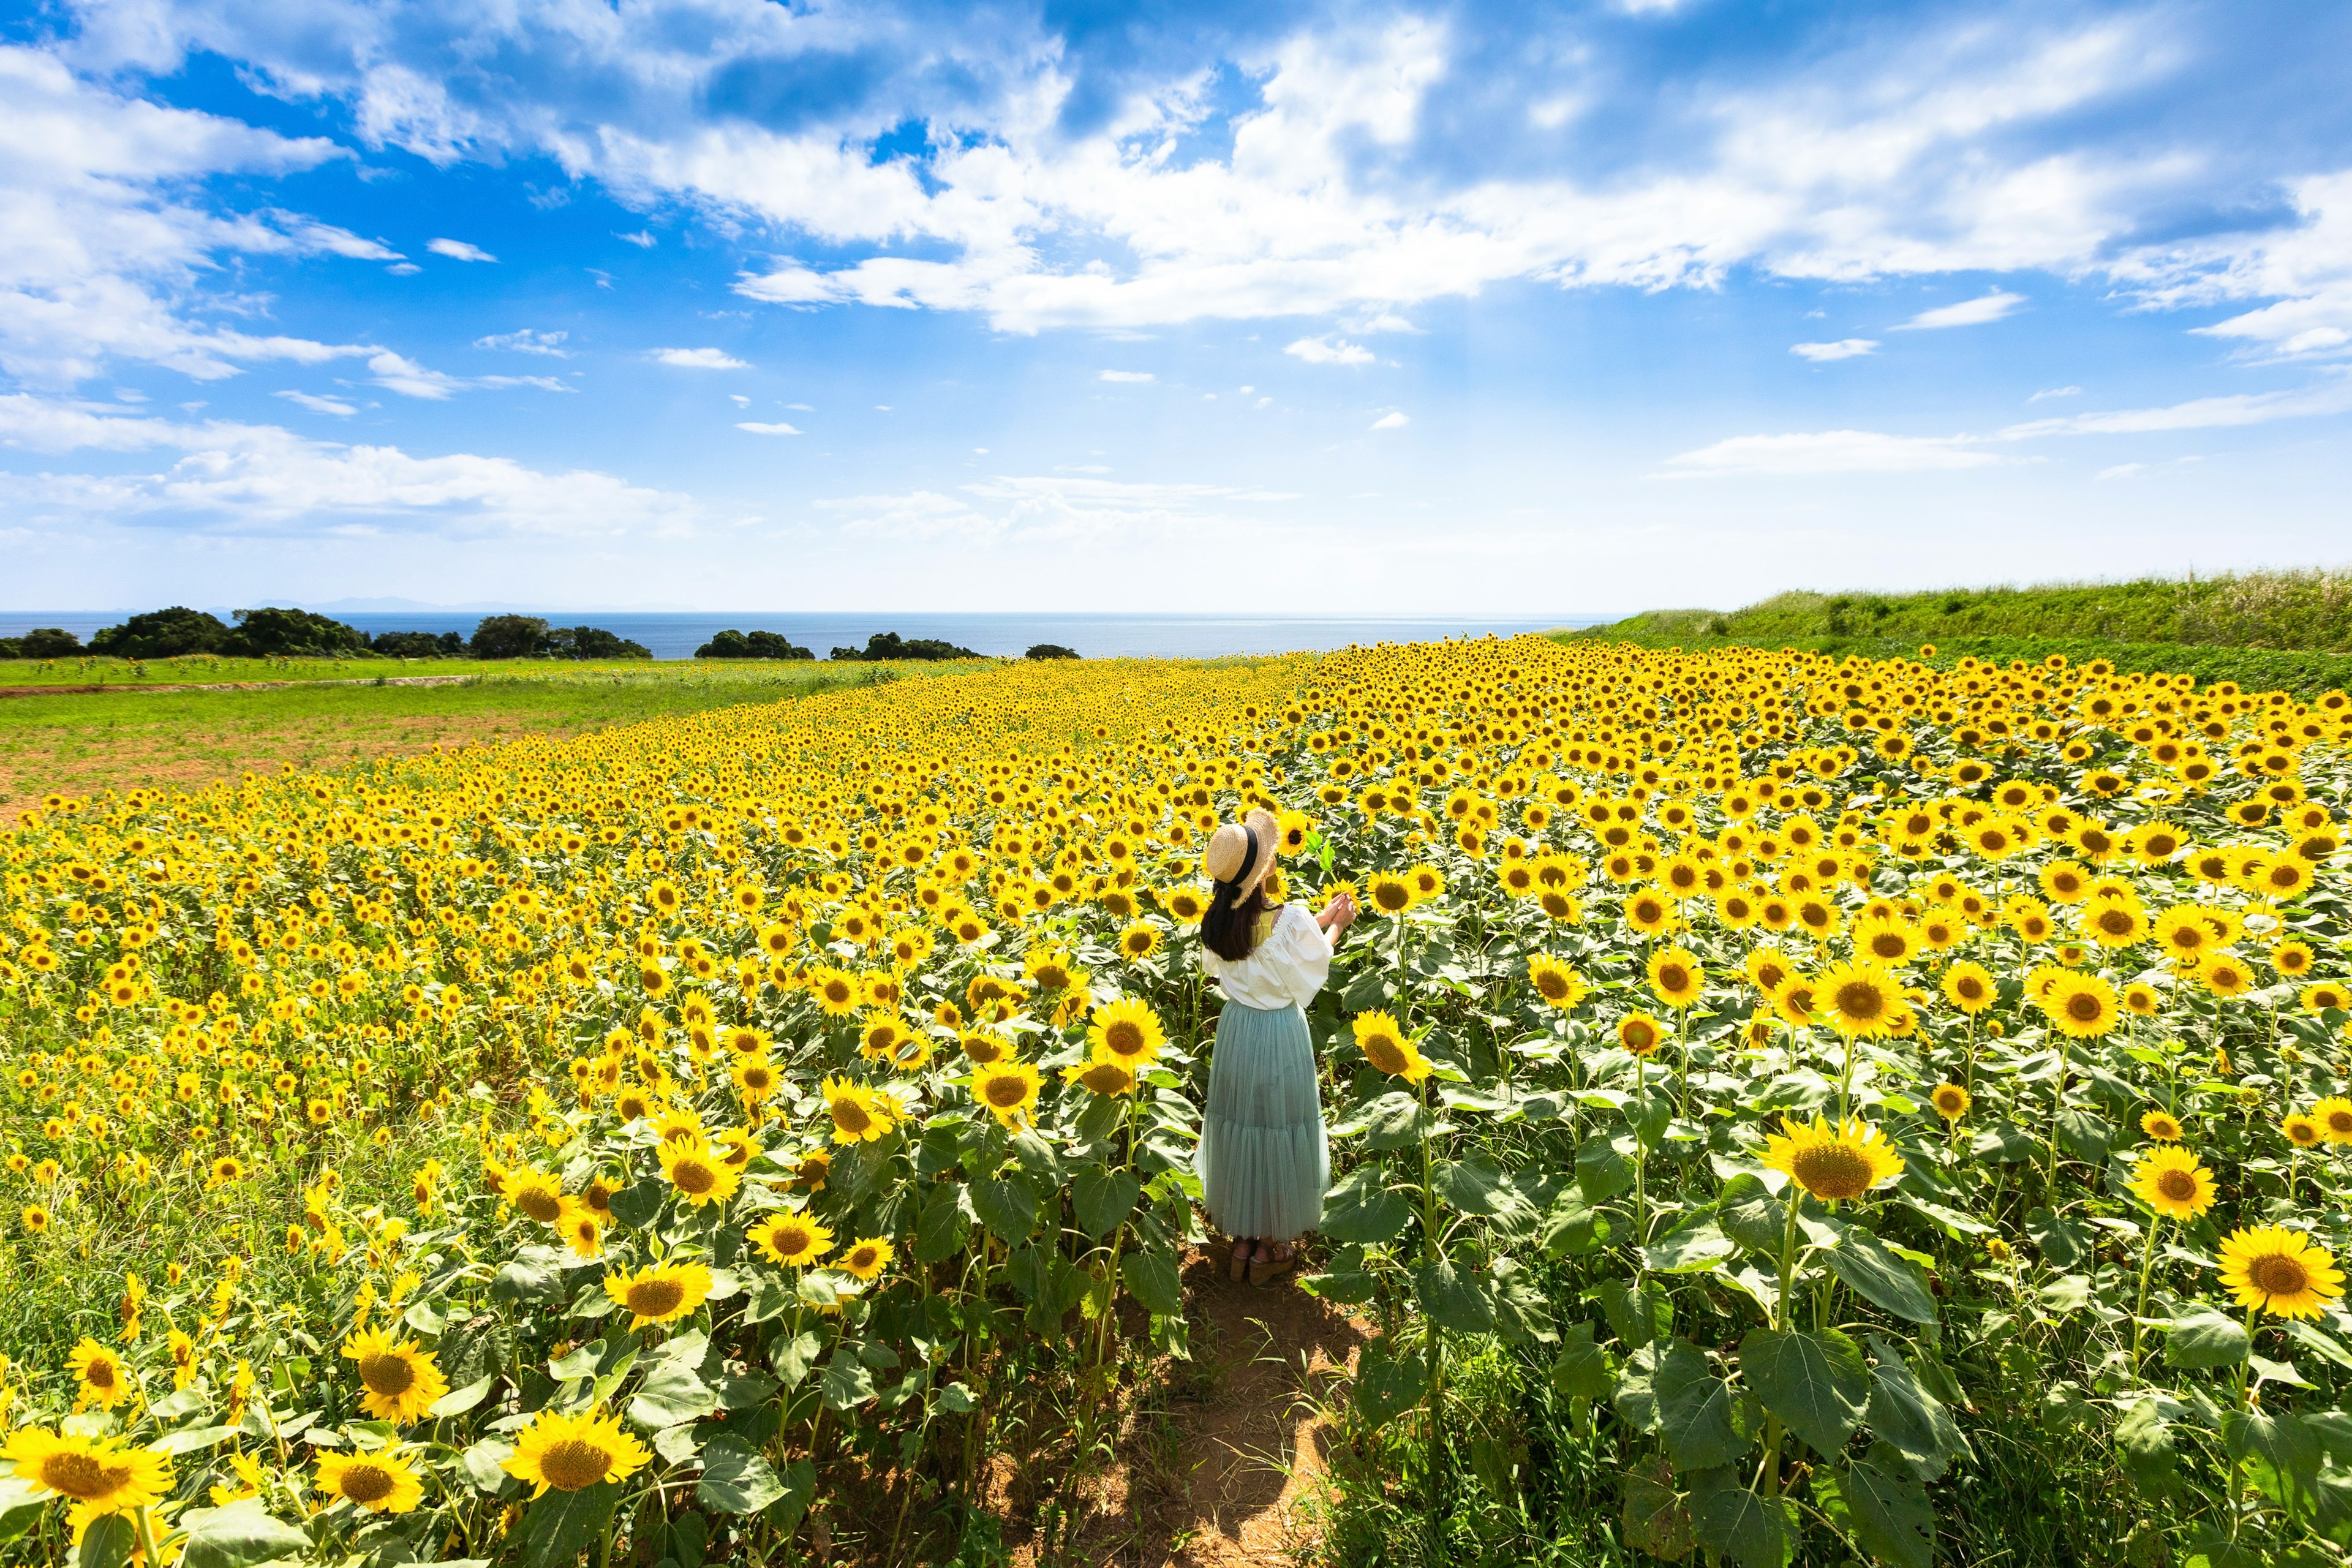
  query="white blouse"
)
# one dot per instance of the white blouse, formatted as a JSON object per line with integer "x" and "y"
{"x": 1288, "y": 967}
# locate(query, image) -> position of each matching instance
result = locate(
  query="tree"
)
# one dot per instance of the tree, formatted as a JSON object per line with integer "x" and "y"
{"x": 732, "y": 644}
{"x": 509, "y": 637}
{"x": 890, "y": 644}
{"x": 418, "y": 645}
{"x": 593, "y": 642}
{"x": 1051, "y": 651}
{"x": 162, "y": 633}
{"x": 277, "y": 633}
{"x": 49, "y": 642}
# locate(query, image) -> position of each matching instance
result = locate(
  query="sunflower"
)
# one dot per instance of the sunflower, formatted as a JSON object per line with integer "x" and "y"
{"x": 2081, "y": 1006}
{"x": 2224, "y": 977}
{"x": 1970, "y": 987}
{"x": 1139, "y": 940}
{"x": 104, "y": 1381}
{"x": 793, "y": 1241}
{"x": 659, "y": 1293}
{"x": 1101, "y": 1077}
{"x": 1009, "y": 1090}
{"x": 1834, "y": 1165}
{"x": 868, "y": 1258}
{"x": 99, "y": 1473}
{"x": 1650, "y": 912}
{"x": 1559, "y": 985}
{"x": 375, "y": 1483}
{"x": 537, "y": 1194}
{"x": 859, "y": 1115}
{"x": 2184, "y": 931}
{"x": 2327, "y": 996}
{"x": 1951, "y": 1102}
{"x": 1389, "y": 894}
{"x": 1128, "y": 1032}
{"x": 585, "y": 1234}
{"x": 1797, "y": 1001}
{"x": 2282, "y": 1272}
{"x": 2302, "y": 1130}
{"x": 700, "y": 1173}
{"x": 981, "y": 1047}
{"x": 1640, "y": 1034}
{"x": 1385, "y": 1045}
{"x": 1675, "y": 977}
{"x": 2173, "y": 1181}
{"x": 2162, "y": 1126}
{"x": 2334, "y": 1115}
{"x": 400, "y": 1382}
{"x": 572, "y": 1453}
{"x": 1860, "y": 999}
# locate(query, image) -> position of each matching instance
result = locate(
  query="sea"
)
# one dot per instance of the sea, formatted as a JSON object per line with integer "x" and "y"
{"x": 676, "y": 635}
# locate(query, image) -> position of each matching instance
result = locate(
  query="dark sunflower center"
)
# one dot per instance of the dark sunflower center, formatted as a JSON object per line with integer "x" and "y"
{"x": 82, "y": 1477}
{"x": 2176, "y": 1185}
{"x": 850, "y": 1116}
{"x": 1887, "y": 944}
{"x": 1832, "y": 1171}
{"x": 1124, "y": 1038}
{"x": 2085, "y": 1008}
{"x": 1859, "y": 999}
{"x": 366, "y": 1483}
{"x": 1006, "y": 1092}
{"x": 571, "y": 1465}
{"x": 694, "y": 1177}
{"x": 655, "y": 1298}
{"x": 1384, "y": 1052}
{"x": 542, "y": 1205}
{"x": 2276, "y": 1274}
{"x": 390, "y": 1375}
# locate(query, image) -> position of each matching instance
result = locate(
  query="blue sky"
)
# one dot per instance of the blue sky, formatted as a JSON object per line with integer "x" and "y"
{"x": 731, "y": 305}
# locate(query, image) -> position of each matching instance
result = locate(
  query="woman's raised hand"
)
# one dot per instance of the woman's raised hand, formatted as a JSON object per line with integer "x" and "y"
{"x": 1338, "y": 915}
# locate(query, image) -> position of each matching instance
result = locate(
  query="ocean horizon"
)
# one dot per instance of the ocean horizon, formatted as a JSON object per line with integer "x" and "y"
{"x": 675, "y": 634}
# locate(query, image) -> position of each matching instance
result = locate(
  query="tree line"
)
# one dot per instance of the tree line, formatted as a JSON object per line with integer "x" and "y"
{"x": 277, "y": 633}
{"x": 880, "y": 646}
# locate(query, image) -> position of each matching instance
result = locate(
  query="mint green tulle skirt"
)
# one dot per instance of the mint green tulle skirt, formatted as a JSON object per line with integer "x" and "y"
{"x": 1264, "y": 1161}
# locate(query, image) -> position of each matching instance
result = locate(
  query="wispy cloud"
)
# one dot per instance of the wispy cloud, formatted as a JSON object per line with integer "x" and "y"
{"x": 1133, "y": 376}
{"x": 1395, "y": 419}
{"x": 759, "y": 429}
{"x": 1329, "y": 350}
{"x": 643, "y": 239}
{"x": 2049, "y": 392}
{"x": 699, "y": 359}
{"x": 527, "y": 342}
{"x": 317, "y": 405}
{"x": 1844, "y": 348}
{"x": 1832, "y": 452}
{"x": 459, "y": 250}
{"x": 1974, "y": 312}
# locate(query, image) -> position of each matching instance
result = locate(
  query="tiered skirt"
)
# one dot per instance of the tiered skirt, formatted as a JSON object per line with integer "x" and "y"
{"x": 1264, "y": 1161}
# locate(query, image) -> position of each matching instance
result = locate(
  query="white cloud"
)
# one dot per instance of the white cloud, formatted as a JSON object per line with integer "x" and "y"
{"x": 1329, "y": 350}
{"x": 1393, "y": 420}
{"x": 264, "y": 480}
{"x": 2055, "y": 392}
{"x": 643, "y": 239}
{"x": 334, "y": 406}
{"x": 759, "y": 429}
{"x": 699, "y": 359}
{"x": 2120, "y": 471}
{"x": 1831, "y": 452}
{"x": 1975, "y": 313}
{"x": 1054, "y": 509}
{"x": 459, "y": 250}
{"x": 103, "y": 251}
{"x": 1844, "y": 348}
{"x": 1134, "y": 375}
{"x": 405, "y": 376}
{"x": 524, "y": 341}
{"x": 2333, "y": 395}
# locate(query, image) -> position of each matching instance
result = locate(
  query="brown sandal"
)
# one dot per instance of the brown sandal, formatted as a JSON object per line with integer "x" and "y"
{"x": 1237, "y": 1267}
{"x": 1273, "y": 1268}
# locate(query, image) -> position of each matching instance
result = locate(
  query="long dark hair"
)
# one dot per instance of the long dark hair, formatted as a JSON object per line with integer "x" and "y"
{"x": 1229, "y": 930}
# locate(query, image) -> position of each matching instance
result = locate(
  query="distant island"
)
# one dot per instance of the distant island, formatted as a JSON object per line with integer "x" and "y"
{"x": 277, "y": 633}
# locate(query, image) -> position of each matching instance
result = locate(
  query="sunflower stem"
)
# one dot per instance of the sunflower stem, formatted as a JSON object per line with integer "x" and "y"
{"x": 2146, "y": 1265}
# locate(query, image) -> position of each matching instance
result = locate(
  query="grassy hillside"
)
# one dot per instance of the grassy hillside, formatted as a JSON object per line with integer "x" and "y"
{"x": 2307, "y": 610}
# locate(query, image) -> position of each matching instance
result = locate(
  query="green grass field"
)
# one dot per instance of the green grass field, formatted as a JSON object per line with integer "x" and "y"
{"x": 79, "y": 743}
{"x": 208, "y": 669}
{"x": 2303, "y": 610}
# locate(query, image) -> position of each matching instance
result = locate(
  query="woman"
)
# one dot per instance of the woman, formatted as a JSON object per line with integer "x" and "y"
{"x": 1263, "y": 1162}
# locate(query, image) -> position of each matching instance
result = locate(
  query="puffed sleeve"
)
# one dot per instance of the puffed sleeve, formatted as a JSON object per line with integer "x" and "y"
{"x": 1307, "y": 952}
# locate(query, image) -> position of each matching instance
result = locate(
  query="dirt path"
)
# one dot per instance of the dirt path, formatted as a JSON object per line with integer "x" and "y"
{"x": 1221, "y": 1472}
{"x": 144, "y": 686}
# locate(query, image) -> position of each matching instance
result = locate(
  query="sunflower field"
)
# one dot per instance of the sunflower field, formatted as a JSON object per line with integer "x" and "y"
{"x": 1782, "y": 1109}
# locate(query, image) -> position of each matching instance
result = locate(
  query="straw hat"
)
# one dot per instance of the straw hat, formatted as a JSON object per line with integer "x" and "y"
{"x": 1229, "y": 848}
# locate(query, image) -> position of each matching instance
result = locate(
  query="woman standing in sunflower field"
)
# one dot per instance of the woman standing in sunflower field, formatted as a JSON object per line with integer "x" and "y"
{"x": 1264, "y": 1161}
